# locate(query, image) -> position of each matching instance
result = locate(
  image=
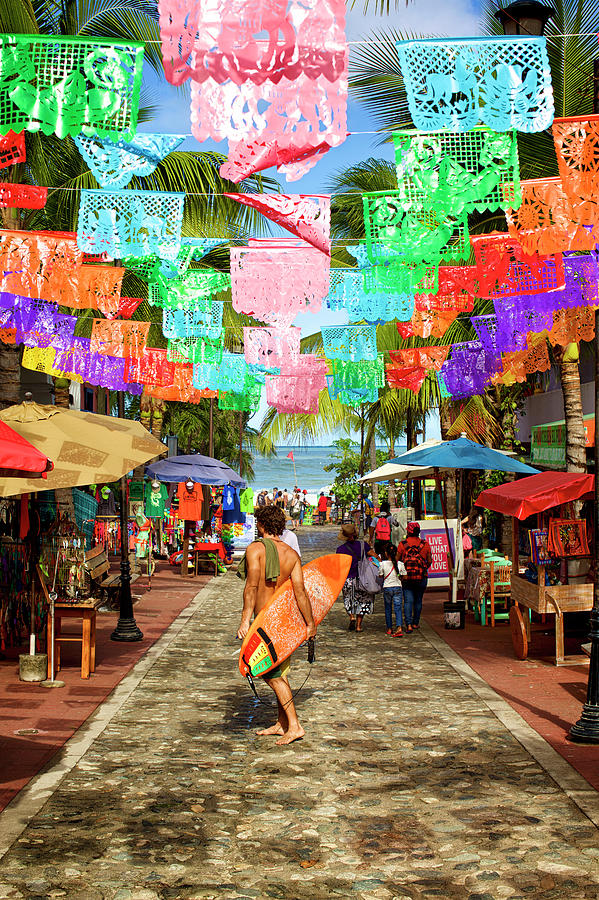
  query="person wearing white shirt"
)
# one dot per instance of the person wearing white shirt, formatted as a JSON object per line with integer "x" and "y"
{"x": 392, "y": 570}
{"x": 290, "y": 538}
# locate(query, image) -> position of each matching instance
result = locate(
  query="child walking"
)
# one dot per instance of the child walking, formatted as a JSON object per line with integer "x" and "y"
{"x": 392, "y": 570}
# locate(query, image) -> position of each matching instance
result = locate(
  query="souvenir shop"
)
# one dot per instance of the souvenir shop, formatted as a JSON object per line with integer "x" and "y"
{"x": 550, "y": 575}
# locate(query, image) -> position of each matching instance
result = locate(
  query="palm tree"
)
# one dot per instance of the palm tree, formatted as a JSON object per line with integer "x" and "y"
{"x": 377, "y": 82}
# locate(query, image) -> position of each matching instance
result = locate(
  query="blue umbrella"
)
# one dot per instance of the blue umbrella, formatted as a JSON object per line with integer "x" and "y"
{"x": 463, "y": 453}
{"x": 198, "y": 468}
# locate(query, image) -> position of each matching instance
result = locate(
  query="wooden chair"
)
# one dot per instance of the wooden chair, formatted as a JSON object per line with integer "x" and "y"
{"x": 498, "y": 589}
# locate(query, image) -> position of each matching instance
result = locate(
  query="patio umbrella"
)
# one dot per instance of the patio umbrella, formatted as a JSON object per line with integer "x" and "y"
{"x": 462, "y": 453}
{"x": 198, "y": 468}
{"x": 87, "y": 448}
{"x": 20, "y": 458}
{"x": 392, "y": 471}
{"x": 528, "y": 496}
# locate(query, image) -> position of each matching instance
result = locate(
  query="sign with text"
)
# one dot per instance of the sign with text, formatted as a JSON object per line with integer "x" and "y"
{"x": 433, "y": 531}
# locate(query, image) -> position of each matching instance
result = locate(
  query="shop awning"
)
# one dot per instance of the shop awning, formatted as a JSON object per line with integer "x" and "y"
{"x": 536, "y": 493}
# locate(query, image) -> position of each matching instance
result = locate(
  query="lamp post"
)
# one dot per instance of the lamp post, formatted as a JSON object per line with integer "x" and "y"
{"x": 126, "y": 628}
{"x": 530, "y": 17}
{"x": 525, "y": 17}
{"x": 586, "y": 730}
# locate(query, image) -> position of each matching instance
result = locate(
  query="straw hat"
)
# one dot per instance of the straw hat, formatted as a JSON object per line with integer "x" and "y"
{"x": 348, "y": 533}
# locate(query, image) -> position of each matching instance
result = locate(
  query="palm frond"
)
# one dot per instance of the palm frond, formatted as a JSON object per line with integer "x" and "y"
{"x": 377, "y": 82}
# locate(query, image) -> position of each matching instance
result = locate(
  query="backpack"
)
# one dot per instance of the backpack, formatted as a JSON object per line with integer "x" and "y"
{"x": 368, "y": 578}
{"x": 413, "y": 560}
{"x": 382, "y": 532}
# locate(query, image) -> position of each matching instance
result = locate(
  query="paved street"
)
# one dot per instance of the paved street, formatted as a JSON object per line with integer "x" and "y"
{"x": 406, "y": 785}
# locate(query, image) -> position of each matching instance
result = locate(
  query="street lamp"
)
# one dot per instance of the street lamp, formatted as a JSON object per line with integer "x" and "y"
{"x": 530, "y": 17}
{"x": 525, "y": 17}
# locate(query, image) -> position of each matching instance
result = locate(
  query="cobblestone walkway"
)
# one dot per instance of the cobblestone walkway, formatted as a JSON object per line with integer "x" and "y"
{"x": 405, "y": 786}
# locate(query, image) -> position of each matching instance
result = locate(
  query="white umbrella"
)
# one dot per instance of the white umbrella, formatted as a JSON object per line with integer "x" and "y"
{"x": 393, "y": 471}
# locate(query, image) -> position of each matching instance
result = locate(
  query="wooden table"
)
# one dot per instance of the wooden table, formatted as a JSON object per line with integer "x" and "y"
{"x": 85, "y": 610}
{"x": 215, "y": 549}
{"x": 552, "y": 600}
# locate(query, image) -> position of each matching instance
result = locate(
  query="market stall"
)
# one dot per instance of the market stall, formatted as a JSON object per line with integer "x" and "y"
{"x": 86, "y": 448}
{"x": 198, "y": 479}
{"x": 556, "y": 539}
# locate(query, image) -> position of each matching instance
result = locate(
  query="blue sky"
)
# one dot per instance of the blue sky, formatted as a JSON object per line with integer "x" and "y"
{"x": 454, "y": 18}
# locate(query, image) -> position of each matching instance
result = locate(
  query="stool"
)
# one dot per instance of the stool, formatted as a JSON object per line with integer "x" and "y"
{"x": 87, "y": 638}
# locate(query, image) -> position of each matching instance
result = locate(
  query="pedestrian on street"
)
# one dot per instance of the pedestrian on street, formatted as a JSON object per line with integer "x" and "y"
{"x": 380, "y": 528}
{"x": 392, "y": 572}
{"x": 368, "y": 510}
{"x": 322, "y": 508}
{"x": 267, "y": 564}
{"x": 475, "y": 524}
{"x": 415, "y": 553}
{"x": 303, "y": 506}
{"x": 290, "y": 538}
{"x": 294, "y": 509}
{"x": 358, "y": 603}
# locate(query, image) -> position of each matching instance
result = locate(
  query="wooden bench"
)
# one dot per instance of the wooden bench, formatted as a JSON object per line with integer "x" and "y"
{"x": 97, "y": 564}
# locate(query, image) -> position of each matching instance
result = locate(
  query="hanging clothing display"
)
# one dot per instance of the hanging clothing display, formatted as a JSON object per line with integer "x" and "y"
{"x": 190, "y": 502}
{"x": 156, "y": 500}
{"x": 246, "y": 501}
{"x": 232, "y": 514}
{"x": 106, "y": 502}
{"x": 228, "y": 497}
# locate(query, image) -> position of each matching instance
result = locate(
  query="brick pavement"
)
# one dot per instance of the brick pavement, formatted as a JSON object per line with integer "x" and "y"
{"x": 405, "y": 786}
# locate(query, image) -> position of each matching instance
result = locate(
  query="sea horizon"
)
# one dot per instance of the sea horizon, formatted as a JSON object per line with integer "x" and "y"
{"x": 277, "y": 471}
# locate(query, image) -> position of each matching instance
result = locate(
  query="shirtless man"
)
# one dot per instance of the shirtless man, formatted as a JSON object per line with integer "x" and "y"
{"x": 258, "y": 590}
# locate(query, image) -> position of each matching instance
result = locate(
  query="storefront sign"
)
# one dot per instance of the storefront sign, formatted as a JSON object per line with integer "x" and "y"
{"x": 433, "y": 531}
{"x": 548, "y": 443}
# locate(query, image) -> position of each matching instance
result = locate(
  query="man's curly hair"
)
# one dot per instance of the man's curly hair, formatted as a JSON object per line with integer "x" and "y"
{"x": 272, "y": 519}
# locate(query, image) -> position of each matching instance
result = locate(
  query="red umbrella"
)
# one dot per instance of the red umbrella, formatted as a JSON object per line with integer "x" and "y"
{"x": 527, "y": 496}
{"x": 19, "y": 458}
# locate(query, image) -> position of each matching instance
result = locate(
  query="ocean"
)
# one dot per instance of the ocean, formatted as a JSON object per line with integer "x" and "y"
{"x": 277, "y": 471}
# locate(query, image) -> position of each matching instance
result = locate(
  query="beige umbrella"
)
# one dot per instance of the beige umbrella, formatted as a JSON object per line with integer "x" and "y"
{"x": 86, "y": 448}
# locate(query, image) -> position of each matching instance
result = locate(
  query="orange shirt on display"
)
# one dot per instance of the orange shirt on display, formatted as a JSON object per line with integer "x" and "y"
{"x": 190, "y": 502}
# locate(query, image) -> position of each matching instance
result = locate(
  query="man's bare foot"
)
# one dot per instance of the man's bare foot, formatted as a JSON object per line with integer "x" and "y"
{"x": 277, "y": 728}
{"x": 291, "y": 736}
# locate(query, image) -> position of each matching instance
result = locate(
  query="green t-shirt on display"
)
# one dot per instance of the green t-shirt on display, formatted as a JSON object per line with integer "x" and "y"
{"x": 156, "y": 501}
{"x": 246, "y": 501}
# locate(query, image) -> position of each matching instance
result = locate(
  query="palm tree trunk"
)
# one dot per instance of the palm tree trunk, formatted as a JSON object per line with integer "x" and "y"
{"x": 10, "y": 357}
{"x": 375, "y": 487}
{"x": 391, "y": 492}
{"x": 158, "y": 409}
{"x": 575, "y": 437}
{"x": 451, "y": 490}
{"x": 61, "y": 392}
{"x": 10, "y": 375}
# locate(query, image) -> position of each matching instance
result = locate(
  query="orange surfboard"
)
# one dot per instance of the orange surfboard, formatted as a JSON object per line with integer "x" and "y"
{"x": 279, "y": 628}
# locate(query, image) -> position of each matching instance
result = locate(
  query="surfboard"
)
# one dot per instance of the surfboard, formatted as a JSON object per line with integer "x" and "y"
{"x": 279, "y": 628}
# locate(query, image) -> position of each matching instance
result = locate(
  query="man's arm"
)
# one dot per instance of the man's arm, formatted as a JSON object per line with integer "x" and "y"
{"x": 250, "y": 592}
{"x": 302, "y": 599}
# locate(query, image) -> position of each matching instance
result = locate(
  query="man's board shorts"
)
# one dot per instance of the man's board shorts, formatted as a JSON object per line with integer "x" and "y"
{"x": 280, "y": 671}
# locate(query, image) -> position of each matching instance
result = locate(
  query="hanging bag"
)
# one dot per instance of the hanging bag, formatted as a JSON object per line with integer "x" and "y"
{"x": 368, "y": 578}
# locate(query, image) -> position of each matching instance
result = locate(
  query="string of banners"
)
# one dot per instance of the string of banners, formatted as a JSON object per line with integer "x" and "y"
{"x": 274, "y": 84}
